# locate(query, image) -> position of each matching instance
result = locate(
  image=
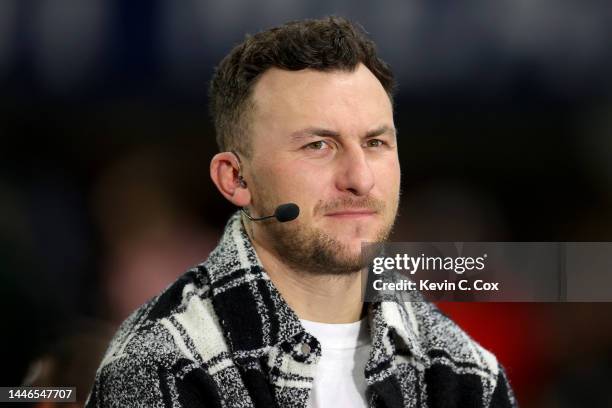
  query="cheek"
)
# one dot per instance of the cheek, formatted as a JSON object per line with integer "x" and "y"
{"x": 309, "y": 185}
{"x": 297, "y": 182}
{"x": 388, "y": 177}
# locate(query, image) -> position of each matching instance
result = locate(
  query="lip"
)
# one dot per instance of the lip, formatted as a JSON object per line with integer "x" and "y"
{"x": 351, "y": 213}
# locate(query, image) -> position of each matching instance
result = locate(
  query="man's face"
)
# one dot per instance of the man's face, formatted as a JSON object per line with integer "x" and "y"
{"x": 325, "y": 141}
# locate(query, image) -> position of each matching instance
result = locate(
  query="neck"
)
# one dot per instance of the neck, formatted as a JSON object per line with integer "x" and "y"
{"x": 319, "y": 298}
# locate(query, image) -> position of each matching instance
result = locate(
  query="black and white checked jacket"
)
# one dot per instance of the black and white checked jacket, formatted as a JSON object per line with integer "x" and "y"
{"x": 222, "y": 336}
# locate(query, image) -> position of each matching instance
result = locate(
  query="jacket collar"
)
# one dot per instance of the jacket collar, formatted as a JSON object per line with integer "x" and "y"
{"x": 235, "y": 267}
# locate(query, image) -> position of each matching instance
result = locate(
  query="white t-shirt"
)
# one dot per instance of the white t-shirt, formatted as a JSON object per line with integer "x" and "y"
{"x": 339, "y": 380}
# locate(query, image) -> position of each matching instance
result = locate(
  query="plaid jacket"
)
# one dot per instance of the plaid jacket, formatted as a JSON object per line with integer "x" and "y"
{"x": 222, "y": 336}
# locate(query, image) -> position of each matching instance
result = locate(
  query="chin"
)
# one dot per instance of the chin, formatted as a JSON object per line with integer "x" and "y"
{"x": 362, "y": 236}
{"x": 354, "y": 246}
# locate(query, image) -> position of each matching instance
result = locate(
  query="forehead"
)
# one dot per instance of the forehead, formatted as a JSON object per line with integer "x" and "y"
{"x": 342, "y": 100}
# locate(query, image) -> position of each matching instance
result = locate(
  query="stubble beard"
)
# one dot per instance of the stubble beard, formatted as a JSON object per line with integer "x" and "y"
{"x": 310, "y": 250}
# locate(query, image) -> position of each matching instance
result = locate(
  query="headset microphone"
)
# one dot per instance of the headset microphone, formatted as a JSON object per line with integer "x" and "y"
{"x": 283, "y": 213}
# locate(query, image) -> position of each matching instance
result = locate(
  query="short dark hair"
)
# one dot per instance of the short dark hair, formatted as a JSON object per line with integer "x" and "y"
{"x": 331, "y": 43}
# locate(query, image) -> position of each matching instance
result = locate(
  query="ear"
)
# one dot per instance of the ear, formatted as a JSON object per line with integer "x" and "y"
{"x": 225, "y": 173}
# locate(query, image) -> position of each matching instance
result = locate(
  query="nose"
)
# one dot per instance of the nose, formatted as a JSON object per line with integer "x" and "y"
{"x": 354, "y": 173}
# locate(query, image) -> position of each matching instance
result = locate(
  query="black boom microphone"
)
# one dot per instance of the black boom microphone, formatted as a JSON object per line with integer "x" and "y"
{"x": 283, "y": 213}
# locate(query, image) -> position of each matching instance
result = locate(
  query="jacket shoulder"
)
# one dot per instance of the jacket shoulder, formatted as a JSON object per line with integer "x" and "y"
{"x": 451, "y": 359}
{"x": 444, "y": 340}
{"x": 148, "y": 350}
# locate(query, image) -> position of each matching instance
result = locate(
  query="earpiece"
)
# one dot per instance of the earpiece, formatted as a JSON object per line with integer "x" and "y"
{"x": 241, "y": 182}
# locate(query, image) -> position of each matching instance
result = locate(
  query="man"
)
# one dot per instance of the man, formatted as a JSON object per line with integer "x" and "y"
{"x": 274, "y": 317}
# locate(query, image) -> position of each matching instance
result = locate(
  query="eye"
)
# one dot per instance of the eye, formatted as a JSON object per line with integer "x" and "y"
{"x": 374, "y": 143}
{"x": 318, "y": 145}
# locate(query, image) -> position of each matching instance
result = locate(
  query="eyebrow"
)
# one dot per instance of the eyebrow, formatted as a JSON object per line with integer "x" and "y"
{"x": 322, "y": 132}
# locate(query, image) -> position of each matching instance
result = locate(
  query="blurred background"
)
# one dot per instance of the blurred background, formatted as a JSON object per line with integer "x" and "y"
{"x": 504, "y": 112}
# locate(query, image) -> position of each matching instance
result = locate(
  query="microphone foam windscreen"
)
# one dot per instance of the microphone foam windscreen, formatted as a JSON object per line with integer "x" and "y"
{"x": 287, "y": 212}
